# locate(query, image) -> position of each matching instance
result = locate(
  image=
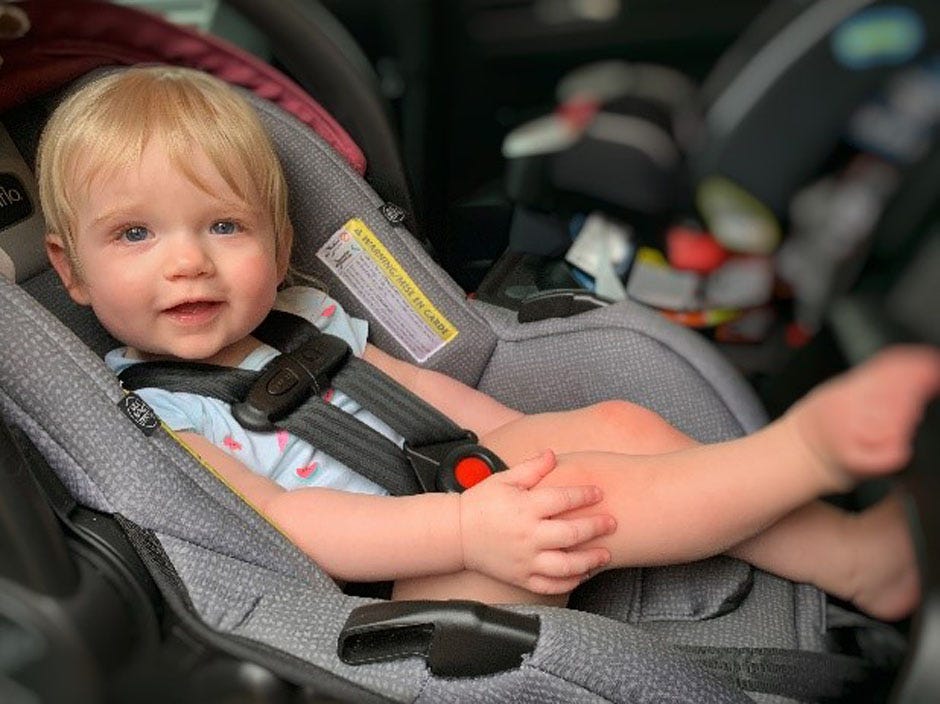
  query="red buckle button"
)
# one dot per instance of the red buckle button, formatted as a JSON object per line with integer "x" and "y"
{"x": 471, "y": 470}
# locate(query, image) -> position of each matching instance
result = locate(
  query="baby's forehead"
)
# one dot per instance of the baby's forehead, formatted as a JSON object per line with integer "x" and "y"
{"x": 216, "y": 174}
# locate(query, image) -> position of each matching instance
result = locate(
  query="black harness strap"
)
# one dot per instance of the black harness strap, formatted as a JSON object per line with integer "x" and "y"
{"x": 429, "y": 435}
{"x": 321, "y": 424}
{"x": 407, "y": 414}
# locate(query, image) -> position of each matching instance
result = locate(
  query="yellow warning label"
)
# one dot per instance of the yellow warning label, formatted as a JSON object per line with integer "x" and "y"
{"x": 365, "y": 265}
{"x": 400, "y": 279}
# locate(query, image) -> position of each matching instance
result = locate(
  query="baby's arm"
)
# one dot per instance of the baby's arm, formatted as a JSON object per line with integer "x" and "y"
{"x": 463, "y": 404}
{"x": 502, "y": 527}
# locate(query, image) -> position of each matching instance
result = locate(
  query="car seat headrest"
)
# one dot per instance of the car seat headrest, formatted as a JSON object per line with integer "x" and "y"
{"x": 22, "y": 227}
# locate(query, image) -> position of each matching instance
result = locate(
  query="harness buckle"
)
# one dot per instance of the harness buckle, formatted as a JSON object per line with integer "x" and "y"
{"x": 452, "y": 466}
{"x": 290, "y": 379}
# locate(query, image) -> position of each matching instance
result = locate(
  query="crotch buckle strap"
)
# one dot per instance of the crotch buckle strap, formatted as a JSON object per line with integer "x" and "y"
{"x": 452, "y": 466}
{"x": 290, "y": 379}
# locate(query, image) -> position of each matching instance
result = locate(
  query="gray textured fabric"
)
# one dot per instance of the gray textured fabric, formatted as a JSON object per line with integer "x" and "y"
{"x": 292, "y": 613}
{"x": 244, "y": 578}
{"x": 621, "y": 351}
{"x": 339, "y": 194}
{"x": 598, "y": 660}
{"x": 241, "y": 575}
{"x": 46, "y": 288}
{"x": 690, "y": 592}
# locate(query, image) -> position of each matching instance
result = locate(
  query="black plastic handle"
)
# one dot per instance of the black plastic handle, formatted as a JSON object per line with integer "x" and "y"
{"x": 456, "y": 638}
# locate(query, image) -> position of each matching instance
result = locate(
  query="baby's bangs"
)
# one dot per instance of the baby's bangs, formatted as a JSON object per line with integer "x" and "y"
{"x": 211, "y": 117}
{"x": 105, "y": 127}
{"x": 191, "y": 111}
{"x": 84, "y": 139}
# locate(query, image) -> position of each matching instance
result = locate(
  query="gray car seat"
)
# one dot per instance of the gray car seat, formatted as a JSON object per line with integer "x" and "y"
{"x": 703, "y": 632}
{"x": 250, "y": 592}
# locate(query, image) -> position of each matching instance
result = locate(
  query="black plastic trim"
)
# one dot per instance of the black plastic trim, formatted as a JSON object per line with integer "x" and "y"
{"x": 456, "y": 638}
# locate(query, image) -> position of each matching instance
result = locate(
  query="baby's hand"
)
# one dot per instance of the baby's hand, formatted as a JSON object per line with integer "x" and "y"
{"x": 510, "y": 529}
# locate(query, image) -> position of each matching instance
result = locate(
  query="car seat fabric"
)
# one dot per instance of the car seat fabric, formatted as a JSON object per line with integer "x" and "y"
{"x": 242, "y": 578}
{"x": 647, "y": 359}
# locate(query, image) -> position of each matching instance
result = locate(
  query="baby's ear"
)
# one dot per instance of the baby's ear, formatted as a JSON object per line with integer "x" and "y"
{"x": 59, "y": 258}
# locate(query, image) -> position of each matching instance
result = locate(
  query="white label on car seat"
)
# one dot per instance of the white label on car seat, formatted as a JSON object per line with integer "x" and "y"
{"x": 381, "y": 284}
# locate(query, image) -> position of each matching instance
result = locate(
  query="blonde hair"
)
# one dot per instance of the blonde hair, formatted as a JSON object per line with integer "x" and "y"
{"x": 105, "y": 126}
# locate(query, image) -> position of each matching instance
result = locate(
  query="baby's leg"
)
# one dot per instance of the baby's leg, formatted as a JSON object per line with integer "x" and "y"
{"x": 700, "y": 501}
{"x": 670, "y": 508}
{"x": 609, "y": 426}
{"x": 857, "y": 425}
{"x": 707, "y": 498}
{"x": 860, "y": 424}
{"x": 866, "y": 558}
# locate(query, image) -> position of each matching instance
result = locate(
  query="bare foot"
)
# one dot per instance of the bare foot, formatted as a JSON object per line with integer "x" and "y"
{"x": 886, "y": 582}
{"x": 861, "y": 423}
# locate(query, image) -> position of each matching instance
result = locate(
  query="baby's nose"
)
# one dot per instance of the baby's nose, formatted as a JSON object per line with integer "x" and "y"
{"x": 187, "y": 256}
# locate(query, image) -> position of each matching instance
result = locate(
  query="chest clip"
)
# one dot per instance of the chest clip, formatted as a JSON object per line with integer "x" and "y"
{"x": 289, "y": 380}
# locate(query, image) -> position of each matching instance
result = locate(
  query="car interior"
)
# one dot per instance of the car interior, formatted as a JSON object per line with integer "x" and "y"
{"x": 705, "y": 209}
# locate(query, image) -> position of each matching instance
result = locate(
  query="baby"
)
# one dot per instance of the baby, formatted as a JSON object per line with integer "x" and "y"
{"x": 167, "y": 214}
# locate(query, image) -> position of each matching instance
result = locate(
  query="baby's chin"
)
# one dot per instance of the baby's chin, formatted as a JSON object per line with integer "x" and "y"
{"x": 161, "y": 356}
{"x": 230, "y": 355}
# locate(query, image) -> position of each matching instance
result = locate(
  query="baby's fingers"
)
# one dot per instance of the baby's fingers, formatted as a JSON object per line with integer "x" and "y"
{"x": 570, "y": 532}
{"x": 562, "y": 564}
{"x": 551, "y": 501}
{"x": 528, "y": 473}
{"x": 540, "y": 584}
{"x": 560, "y": 572}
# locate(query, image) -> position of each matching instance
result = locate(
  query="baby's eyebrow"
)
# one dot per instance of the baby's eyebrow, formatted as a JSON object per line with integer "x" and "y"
{"x": 122, "y": 213}
{"x": 236, "y": 206}
{"x": 221, "y": 207}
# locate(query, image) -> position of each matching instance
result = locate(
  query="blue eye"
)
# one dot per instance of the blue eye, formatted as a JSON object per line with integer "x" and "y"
{"x": 135, "y": 234}
{"x": 224, "y": 227}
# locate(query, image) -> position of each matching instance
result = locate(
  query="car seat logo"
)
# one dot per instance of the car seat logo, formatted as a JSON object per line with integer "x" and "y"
{"x": 14, "y": 202}
{"x": 142, "y": 415}
{"x": 393, "y": 213}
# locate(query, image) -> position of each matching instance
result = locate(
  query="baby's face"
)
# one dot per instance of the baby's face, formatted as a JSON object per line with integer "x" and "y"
{"x": 170, "y": 269}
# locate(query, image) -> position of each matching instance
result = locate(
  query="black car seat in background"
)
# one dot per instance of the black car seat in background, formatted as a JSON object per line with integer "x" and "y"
{"x": 797, "y": 109}
{"x": 232, "y": 596}
{"x": 466, "y": 71}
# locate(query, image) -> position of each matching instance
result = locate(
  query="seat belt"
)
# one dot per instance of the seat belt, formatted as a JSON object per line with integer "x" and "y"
{"x": 437, "y": 454}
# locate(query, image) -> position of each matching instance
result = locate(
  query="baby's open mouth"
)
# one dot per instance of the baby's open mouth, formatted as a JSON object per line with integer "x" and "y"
{"x": 193, "y": 311}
